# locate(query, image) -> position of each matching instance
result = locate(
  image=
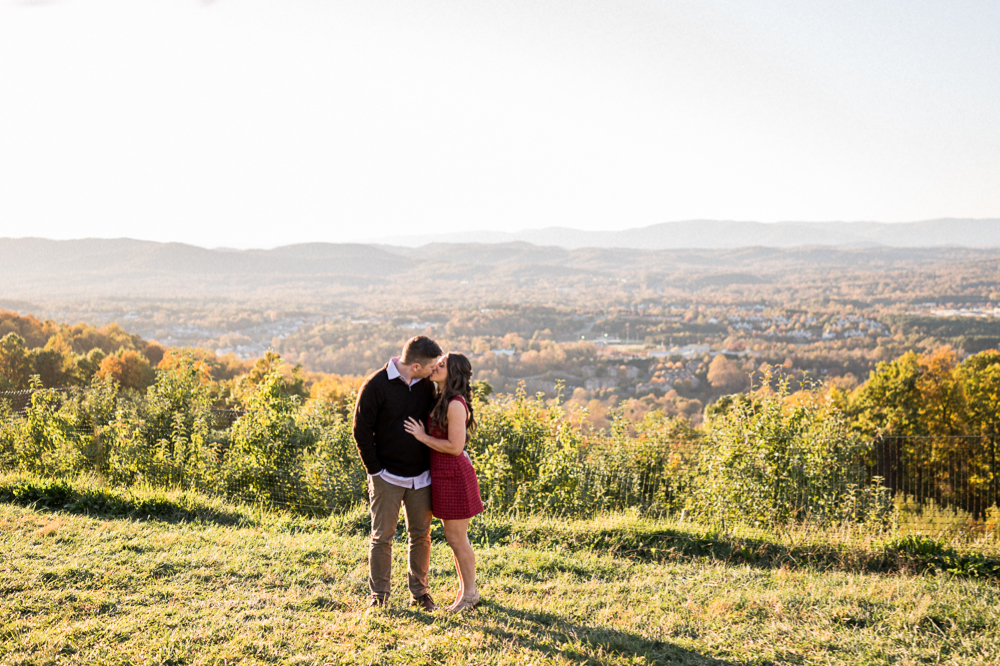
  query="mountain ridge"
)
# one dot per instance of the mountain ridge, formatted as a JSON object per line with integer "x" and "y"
{"x": 32, "y": 266}
{"x": 729, "y": 234}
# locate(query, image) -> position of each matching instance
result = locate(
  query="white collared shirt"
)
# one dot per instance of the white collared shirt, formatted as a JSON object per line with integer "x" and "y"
{"x": 415, "y": 482}
{"x": 393, "y": 371}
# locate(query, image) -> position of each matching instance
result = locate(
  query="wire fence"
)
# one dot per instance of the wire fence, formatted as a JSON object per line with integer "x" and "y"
{"x": 934, "y": 486}
{"x": 941, "y": 484}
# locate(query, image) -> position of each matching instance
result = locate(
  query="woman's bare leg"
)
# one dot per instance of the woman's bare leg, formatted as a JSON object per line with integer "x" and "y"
{"x": 461, "y": 584}
{"x": 456, "y": 532}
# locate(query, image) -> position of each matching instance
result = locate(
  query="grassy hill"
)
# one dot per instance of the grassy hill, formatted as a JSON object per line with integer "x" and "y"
{"x": 146, "y": 576}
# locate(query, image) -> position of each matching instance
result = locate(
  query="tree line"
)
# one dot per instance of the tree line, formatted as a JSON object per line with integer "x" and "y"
{"x": 768, "y": 455}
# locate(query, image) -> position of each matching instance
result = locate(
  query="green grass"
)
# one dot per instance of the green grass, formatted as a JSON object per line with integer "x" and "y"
{"x": 91, "y": 575}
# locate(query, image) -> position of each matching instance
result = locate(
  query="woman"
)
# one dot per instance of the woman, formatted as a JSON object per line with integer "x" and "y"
{"x": 454, "y": 487}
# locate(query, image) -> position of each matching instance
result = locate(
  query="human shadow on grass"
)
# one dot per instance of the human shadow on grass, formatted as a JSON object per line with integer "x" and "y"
{"x": 544, "y": 631}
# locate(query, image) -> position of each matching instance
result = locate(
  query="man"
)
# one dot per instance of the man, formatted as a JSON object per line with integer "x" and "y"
{"x": 398, "y": 466}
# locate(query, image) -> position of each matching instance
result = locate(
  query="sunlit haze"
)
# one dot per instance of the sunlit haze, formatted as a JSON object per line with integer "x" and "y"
{"x": 257, "y": 123}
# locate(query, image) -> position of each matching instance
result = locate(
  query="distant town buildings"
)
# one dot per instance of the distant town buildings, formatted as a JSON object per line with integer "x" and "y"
{"x": 687, "y": 351}
{"x": 980, "y": 312}
{"x": 807, "y": 327}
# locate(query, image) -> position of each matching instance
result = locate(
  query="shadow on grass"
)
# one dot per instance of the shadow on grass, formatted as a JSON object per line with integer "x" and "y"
{"x": 544, "y": 631}
{"x": 644, "y": 542}
{"x": 149, "y": 504}
{"x": 658, "y": 544}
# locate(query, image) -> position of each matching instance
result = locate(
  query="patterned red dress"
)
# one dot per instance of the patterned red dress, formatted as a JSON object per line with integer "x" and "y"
{"x": 454, "y": 486}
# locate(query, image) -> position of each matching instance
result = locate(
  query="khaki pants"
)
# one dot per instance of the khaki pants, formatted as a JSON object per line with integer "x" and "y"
{"x": 385, "y": 499}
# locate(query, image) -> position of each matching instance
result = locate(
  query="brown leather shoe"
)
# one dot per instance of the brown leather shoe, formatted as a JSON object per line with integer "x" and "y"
{"x": 424, "y": 601}
{"x": 376, "y": 602}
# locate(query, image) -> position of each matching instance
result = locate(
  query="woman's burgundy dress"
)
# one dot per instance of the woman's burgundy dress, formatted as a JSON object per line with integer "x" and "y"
{"x": 454, "y": 487}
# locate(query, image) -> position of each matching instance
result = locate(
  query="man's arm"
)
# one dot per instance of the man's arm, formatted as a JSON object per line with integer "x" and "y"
{"x": 365, "y": 415}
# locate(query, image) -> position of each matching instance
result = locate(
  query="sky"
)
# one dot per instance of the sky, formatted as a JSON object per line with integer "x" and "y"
{"x": 259, "y": 123}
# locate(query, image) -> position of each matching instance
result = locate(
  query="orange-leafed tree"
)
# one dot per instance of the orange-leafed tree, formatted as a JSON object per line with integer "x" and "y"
{"x": 33, "y": 332}
{"x": 918, "y": 404}
{"x": 727, "y": 375}
{"x": 129, "y": 368}
{"x": 942, "y": 405}
{"x": 336, "y": 392}
{"x": 81, "y": 338}
{"x": 980, "y": 377}
{"x": 154, "y": 352}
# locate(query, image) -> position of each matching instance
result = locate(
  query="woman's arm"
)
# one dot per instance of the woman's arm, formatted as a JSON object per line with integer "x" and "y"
{"x": 455, "y": 443}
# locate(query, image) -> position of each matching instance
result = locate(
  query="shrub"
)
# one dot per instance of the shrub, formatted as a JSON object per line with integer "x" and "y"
{"x": 530, "y": 457}
{"x": 331, "y": 472}
{"x": 525, "y": 455}
{"x": 48, "y": 439}
{"x": 166, "y": 437}
{"x": 643, "y": 465}
{"x": 771, "y": 459}
{"x": 267, "y": 441}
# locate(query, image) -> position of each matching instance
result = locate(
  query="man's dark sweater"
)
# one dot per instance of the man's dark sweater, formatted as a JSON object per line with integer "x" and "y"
{"x": 383, "y": 407}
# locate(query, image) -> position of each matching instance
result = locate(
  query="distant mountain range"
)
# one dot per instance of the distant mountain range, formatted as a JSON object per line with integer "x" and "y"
{"x": 718, "y": 234}
{"x": 329, "y": 273}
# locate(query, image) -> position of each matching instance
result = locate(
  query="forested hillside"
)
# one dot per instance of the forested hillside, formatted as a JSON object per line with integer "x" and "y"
{"x": 939, "y": 392}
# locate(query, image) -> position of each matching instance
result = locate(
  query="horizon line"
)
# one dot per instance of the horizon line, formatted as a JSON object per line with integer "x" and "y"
{"x": 385, "y": 241}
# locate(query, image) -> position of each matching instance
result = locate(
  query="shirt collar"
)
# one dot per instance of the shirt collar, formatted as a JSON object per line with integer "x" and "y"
{"x": 393, "y": 372}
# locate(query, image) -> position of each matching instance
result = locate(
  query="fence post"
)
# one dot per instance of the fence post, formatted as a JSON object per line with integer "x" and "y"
{"x": 888, "y": 463}
{"x": 993, "y": 470}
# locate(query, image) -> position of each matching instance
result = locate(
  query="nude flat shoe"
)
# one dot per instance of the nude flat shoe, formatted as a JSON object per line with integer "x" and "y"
{"x": 467, "y": 603}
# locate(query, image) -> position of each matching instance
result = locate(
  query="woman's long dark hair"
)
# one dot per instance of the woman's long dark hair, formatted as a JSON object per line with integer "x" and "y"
{"x": 459, "y": 383}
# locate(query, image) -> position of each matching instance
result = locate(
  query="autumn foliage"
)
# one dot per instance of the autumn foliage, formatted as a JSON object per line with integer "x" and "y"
{"x": 129, "y": 369}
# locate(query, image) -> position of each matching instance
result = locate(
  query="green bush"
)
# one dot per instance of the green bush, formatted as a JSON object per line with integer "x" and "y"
{"x": 769, "y": 459}
{"x": 266, "y": 444}
{"x": 275, "y": 452}
{"x": 644, "y": 465}
{"x": 530, "y": 457}
{"x": 165, "y": 437}
{"x": 933, "y": 556}
{"x": 49, "y": 439}
{"x": 766, "y": 458}
{"x": 331, "y": 472}
{"x": 525, "y": 456}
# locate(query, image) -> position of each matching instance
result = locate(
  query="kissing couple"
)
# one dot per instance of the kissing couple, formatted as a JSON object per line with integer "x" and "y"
{"x": 426, "y": 469}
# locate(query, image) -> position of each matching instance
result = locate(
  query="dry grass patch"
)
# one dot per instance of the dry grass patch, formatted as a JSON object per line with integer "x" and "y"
{"x": 51, "y": 528}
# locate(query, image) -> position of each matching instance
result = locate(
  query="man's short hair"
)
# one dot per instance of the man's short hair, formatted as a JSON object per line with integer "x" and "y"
{"x": 420, "y": 349}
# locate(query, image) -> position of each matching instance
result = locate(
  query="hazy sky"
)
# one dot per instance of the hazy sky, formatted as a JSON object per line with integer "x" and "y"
{"x": 255, "y": 123}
